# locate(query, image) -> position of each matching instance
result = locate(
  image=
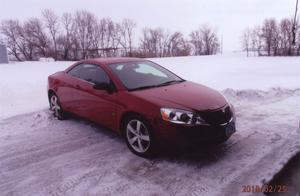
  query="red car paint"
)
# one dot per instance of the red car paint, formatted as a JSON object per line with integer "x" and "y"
{"x": 79, "y": 97}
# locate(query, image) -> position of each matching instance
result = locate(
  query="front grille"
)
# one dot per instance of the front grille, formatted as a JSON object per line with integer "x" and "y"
{"x": 217, "y": 117}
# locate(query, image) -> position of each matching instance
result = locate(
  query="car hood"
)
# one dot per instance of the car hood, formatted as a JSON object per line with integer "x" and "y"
{"x": 184, "y": 95}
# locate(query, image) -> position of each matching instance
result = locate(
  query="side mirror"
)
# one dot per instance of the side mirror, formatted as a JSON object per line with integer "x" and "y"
{"x": 104, "y": 86}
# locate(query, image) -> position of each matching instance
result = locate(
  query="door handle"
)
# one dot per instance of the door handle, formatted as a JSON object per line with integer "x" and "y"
{"x": 77, "y": 86}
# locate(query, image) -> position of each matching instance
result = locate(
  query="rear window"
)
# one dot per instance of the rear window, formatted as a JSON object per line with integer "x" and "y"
{"x": 90, "y": 73}
{"x": 75, "y": 71}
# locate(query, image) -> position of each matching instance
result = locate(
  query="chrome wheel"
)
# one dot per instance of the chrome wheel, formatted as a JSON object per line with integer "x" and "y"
{"x": 55, "y": 107}
{"x": 138, "y": 136}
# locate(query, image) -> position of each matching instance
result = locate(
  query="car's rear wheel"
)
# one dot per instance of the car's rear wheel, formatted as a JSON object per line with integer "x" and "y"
{"x": 55, "y": 106}
{"x": 138, "y": 136}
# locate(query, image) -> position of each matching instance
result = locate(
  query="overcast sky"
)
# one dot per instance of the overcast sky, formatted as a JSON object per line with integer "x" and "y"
{"x": 229, "y": 17}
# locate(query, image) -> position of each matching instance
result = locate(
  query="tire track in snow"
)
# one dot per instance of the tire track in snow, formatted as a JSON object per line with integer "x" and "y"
{"x": 89, "y": 162}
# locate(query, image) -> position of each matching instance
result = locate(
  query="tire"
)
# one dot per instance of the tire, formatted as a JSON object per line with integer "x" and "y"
{"x": 138, "y": 136}
{"x": 55, "y": 106}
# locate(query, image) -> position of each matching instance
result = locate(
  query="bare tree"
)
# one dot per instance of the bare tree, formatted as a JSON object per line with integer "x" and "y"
{"x": 152, "y": 42}
{"x": 197, "y": 42}
{"x": 52, "y": 24}
{"x": 82, "y": 35}
{"x": 9, "y": 28}
{"x": 159, "y": 43}
{"x": 256, "y": 41}
{"x": 269, "y": 30}
{"x": 246, "y": 40}
{"x": 27, "y": 41}
{"x": 204, "y": 41}
{"x": 126, "y": 35}
{"x": 275, "y": 38}
{"x": 109, "y": 37}
{"x": 210, "y": 40}
{"x": 38, "y": 37}
{"x": 286, "y": 35}
{"x": 177, "y": 45}
{"x": 297, "y": 44}
{"x": 85, "y": 30}
{"x": 64, "y": 40}
{"x": 113, "y": 40}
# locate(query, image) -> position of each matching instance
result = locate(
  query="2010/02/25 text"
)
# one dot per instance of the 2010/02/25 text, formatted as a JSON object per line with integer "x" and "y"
{"x": 264, "y": 188}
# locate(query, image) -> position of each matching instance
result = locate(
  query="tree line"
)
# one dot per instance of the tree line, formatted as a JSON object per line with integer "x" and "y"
{"x": 82, "y": 35}
{"x": 273, "y": 38}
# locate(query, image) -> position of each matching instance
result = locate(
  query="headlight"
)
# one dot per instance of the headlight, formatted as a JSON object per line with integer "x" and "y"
{"x": 181, "y": 117}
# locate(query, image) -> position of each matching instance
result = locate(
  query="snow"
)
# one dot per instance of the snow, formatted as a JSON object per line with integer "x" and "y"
{"x": 40, "y": 155}
{"x": 237, "y": 71}
{"x": 23, "y": 85}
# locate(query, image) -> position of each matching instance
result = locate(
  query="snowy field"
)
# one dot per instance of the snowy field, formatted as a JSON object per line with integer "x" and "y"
{"x": 42, "y": 156}
{"x": 23, "y": 85}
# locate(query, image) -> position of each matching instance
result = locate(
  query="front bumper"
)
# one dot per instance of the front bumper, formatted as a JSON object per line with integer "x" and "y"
{"x": 175, "y": 133}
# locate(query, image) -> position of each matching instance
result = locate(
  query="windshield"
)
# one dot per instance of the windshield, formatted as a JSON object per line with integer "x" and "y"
{"x": 144, "y": 74}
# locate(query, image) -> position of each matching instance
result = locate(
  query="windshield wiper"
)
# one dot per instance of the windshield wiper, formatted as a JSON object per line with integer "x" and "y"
{"x": 170, "y": 82}
{"x": 143, "y": 87}
{"x": 158, "y": 85}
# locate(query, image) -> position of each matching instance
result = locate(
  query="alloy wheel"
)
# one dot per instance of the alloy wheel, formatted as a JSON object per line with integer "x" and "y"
{"x": 55, "y": 107}
{"x": 138, "y": 136}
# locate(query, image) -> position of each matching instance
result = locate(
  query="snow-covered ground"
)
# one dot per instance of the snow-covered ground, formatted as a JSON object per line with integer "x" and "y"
{"x": 23, "y": 86}
{"x": 42, "y": 156}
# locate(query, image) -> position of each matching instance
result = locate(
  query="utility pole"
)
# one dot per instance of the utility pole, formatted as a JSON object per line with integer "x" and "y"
{"x": 294, "y": 25}
{"x": 221, "y": 48}
{"x": 3, "y": 54}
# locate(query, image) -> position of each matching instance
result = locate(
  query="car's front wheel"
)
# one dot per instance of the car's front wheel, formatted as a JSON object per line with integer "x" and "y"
{"x": 55, "y": 106}
{"x": 138, "y": 136}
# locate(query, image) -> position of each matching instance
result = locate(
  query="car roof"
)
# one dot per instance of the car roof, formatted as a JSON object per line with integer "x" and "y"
{"x": 111, "y": 60}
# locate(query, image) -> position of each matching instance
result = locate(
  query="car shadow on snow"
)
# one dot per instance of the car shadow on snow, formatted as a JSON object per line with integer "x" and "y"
{"x": 97, "y": 127}
{"x": 195, "y": 153}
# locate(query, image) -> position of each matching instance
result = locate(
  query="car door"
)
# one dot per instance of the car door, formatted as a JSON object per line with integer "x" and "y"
{"x": 94, "y": 104}
{"x": 70, "y": 89}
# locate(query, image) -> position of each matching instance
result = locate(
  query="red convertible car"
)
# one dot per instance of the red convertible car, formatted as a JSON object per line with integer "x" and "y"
{"x": 144, "y": 102}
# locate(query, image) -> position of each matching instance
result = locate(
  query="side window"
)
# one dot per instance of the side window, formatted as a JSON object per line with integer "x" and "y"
{"x": 75, "y": 71}
{"x": 94, "y": 74}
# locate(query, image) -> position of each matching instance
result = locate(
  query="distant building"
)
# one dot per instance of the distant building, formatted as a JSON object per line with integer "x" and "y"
{"x": 3, "y": 54}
